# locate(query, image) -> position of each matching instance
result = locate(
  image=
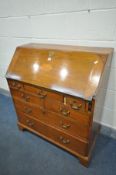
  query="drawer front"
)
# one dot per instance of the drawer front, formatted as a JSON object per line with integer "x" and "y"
{"x": 28, "y": 109}
{"x": 75, "y": 128}
{"x": 73, "y": 104}
{"x": 42, "y": 93}
{"x": 66, "y": 111}
{"x": 27, "y": 97}
{"x": 55, "y": 136}
{"x": 15, "y": 84}
{"x": 76, "y": 104}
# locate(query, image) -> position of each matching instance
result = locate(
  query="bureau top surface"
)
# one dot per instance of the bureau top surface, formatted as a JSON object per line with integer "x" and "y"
{"x": 72, "y": 70}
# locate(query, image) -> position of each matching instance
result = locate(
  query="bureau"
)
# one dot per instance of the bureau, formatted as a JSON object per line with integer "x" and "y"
{"x": 58, "y": 93}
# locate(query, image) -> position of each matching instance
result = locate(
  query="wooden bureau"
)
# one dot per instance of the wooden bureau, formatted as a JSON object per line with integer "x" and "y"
{"x": 57, "y": 92}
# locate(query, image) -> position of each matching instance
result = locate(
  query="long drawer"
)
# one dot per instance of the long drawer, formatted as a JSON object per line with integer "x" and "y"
{"x": 56, "y": 136}
{"x": 73, "y": 127}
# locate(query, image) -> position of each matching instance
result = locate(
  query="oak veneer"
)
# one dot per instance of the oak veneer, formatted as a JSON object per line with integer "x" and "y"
{"x": 56, "y": 91}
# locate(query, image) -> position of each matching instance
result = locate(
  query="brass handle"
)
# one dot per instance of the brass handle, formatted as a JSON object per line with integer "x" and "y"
{"x": 63, "y": 140}
{"x": 29, "y": 123}
{"x": 42, "y": 94}
{"x": 65, "y": 112}
{"x": 28, "y": 110}
{"x": 75, "y": 106}
{"x": 65, "y": 126}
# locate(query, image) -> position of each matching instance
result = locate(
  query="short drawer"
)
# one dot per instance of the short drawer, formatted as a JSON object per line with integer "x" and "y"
{"x": 55, "y": 136}
{"x": 15, "y": 84}
{"x": 66, "y": 111}
{"x": 76, "y": 104}
{"x": 28, "y": 98}
{"x": 28, "y": 109}
{"x": 42, "y": 93}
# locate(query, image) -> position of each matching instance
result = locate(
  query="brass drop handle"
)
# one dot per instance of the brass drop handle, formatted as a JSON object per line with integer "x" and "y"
{"x": 41, "y": 94}
{"x": 63, "y": 140}
{"x": 65, "y": 126}
{"x": 65, "y": 112}
{"x": 28, "y": 110}
{"x": 76, "y": 106}
{"x": 29, "y": 123}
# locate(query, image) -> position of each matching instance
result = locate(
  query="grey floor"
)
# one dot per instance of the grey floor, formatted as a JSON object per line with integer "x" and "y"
{"x": 23, "y": 153}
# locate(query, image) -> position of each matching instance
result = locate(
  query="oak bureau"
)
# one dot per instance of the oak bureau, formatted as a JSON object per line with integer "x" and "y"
{"x": 58, "y": 93}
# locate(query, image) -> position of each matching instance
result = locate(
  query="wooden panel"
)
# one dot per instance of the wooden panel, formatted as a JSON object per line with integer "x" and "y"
{"x": 59, "y": 70}
{"x": 55, "y": 135}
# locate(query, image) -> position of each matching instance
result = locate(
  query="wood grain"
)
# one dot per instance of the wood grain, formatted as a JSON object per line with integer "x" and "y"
{"x": 75, "y": 73}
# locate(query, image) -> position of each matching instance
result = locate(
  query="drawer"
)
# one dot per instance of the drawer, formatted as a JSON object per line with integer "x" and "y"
{"x": 28, "y": 109}
{"x": 55, "y": 136}
{"x": 76, "y": 104}
{"x": 42, "y": 93}
{"x": 75, "y": 128}
{"x": 66, "y": 111}
{"x": 28, "y": 98}
{"x": 15, "y": 84}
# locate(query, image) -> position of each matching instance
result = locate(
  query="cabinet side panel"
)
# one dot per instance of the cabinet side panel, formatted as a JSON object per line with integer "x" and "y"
{"x": 101, "y": 91}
